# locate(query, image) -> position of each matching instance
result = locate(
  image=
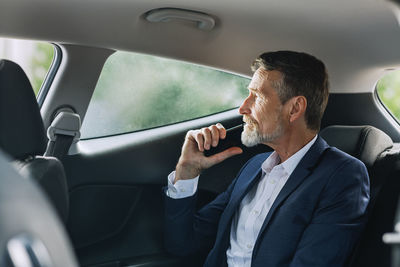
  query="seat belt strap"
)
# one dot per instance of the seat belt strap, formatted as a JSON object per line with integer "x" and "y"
{"x": 59, "y": 147}
{"x": 62, "y": 133}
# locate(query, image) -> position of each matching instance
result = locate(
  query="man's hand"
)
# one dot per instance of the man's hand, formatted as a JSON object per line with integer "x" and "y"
{"x": 192, "y": 160}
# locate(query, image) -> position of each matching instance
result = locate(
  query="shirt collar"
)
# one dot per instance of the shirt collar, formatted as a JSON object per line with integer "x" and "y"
{"x": 291, "y": 163}
{"x": 272, "y": 161}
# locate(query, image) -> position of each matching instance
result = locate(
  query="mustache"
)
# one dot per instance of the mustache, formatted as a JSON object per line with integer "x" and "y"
{"x": 248, "y": 120}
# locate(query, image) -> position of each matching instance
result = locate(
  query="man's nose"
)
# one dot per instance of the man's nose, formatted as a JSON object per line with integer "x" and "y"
{"x": 244, "y": 108}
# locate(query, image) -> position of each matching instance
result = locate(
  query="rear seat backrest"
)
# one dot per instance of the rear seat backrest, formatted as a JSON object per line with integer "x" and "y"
{"x": 363, "y": 142}
{"x": 373, "y": 147}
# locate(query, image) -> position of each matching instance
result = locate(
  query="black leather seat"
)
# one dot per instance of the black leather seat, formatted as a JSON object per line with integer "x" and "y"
{"x": 30, "y": 234}
{"x": 22, "y": 135}
{"x": 373, "y": 147}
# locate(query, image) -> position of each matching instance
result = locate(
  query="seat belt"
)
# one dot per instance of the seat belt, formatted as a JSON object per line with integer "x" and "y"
{"x": 62, "y": 133}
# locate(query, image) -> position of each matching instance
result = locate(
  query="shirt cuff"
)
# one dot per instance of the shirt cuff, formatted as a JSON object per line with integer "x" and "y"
{"x": 182, "y": 188}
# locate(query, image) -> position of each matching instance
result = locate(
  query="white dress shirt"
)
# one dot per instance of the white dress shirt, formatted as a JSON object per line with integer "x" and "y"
{"x": 253, "y": 209}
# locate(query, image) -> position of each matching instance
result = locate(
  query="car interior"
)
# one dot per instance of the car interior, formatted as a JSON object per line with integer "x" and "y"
{"x": 96, "y": 200}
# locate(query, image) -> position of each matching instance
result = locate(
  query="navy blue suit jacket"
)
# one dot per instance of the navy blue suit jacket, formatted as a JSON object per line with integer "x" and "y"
{"x": 315, "y": 220}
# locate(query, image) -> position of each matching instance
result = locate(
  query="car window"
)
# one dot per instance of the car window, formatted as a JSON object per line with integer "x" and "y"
{"x": 136, "y": 92}
{"x": 388, "y": 90}
{"x": 34, "y": 57}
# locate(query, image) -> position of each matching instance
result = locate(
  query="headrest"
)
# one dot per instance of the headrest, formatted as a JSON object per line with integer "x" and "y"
{"x": 21, "y": 127}
{"x": 363, "y": 142}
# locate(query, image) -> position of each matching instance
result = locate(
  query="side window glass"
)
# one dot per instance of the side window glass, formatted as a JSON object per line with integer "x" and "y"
{"x": 136, "y": 92}
{"x": 34, "y": 58}
{"x": 388, "y": 90}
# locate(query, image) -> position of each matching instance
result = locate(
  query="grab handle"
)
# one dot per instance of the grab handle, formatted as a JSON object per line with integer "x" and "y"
{"x": 204, "y": 22}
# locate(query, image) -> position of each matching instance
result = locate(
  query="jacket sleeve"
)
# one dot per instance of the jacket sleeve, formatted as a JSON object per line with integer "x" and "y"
{"x": 338, "y": 220}
{"x": 187, "y": 231}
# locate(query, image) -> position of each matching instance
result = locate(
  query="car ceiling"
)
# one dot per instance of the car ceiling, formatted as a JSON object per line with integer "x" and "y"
{"x": 359, "y": 40}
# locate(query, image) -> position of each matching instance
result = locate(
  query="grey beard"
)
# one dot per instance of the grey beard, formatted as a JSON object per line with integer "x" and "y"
{"x": 252, "y": 137}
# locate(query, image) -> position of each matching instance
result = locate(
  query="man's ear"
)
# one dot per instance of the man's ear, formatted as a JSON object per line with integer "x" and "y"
{"x": 298, "y": 105}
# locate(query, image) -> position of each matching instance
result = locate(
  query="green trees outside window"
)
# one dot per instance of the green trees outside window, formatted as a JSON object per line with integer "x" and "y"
{"x": 388, "y": 89}
{"x": 40, "y": 64}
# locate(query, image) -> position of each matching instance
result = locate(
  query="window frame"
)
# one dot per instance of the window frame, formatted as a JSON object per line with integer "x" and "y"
{"x": 50, "y": 75}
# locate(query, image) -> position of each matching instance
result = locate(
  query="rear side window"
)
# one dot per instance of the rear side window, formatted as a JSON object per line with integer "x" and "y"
{"x": 136, "y": 92}
{"x": 34, "y": 57}
{"x": 388, "y": 90}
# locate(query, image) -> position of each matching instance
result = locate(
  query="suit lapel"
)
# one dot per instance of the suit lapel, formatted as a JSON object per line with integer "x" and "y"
{"x": 250, "y": 175}
{"x": 245, "y": 182}
{"x": 303, "y": 169}
{"x": 244, "y": 187}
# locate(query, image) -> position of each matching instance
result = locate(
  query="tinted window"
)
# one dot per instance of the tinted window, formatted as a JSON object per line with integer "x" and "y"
{"x": 136, "y": 92}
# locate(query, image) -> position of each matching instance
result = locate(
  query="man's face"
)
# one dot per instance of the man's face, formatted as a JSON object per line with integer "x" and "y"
{"x": 262, "y": 110}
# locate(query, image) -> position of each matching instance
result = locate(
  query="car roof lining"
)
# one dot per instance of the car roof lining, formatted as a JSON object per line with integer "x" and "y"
{"x": 347, "y": 35}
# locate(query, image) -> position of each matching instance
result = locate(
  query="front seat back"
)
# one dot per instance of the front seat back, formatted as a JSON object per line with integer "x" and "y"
{"x": 30, "y": 234}
{"x": 373, "y": 147}
{"x": 22, "y": 135}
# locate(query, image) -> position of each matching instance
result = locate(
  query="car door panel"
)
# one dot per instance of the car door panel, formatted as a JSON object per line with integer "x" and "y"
{"x": 116, "y": 211}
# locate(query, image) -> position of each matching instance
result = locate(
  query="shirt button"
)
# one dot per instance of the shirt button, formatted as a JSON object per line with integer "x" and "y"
{"x": 272, "y": 181}
{"x": 182, "y": 189}
{"x": 249, "y": 246}
{"x": 255, "y": 211}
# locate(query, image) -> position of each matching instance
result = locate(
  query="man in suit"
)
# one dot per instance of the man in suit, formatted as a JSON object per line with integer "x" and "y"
{"x": 302, "y": 205}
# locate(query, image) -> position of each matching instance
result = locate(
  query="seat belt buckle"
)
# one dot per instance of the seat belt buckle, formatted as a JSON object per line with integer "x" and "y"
{"x": 65, "y": 123}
